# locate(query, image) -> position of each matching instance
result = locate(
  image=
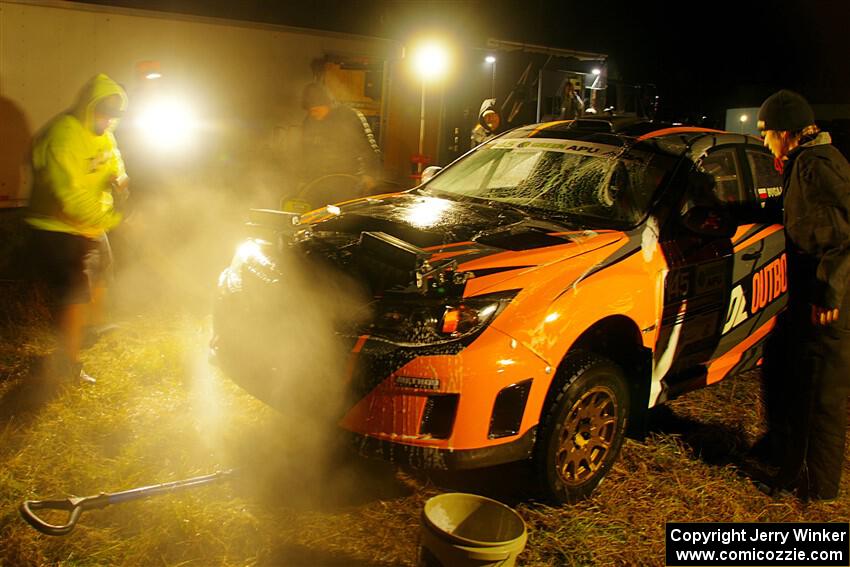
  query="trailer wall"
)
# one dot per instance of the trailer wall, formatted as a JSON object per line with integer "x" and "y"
{"x": 243, "y": 80}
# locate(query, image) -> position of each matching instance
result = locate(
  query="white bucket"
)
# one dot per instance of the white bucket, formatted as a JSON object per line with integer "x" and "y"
{"x": 468, "y": 530}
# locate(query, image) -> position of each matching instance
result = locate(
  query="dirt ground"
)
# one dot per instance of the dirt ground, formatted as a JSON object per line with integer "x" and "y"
{"x": 160, "y": 412}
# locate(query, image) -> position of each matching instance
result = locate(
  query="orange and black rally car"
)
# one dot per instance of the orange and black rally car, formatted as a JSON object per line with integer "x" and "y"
{"x": 533, "y": 299}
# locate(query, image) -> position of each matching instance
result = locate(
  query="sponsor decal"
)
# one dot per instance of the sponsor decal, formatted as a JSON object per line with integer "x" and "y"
{"x": 587, "y": 149}
{"x": 693, "y": 281}
{"x": 555, "y": 145}
{"x": 768, "y": 192}
{"x": 418, "y": 383}
{"x": 737, "y": 312}
{"x": 767, "y": 285}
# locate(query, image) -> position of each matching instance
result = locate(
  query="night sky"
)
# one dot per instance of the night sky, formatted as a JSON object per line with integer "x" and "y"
{"x": 703, "y": 56}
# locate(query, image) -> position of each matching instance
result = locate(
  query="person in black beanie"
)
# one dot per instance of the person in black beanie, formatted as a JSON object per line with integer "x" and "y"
{"x": 807, "y": 360}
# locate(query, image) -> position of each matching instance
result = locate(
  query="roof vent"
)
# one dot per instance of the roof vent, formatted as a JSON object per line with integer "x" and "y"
{"x": 592, "y": 125}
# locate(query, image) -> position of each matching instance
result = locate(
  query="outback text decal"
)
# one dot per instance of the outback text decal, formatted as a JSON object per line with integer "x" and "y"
{"x": 767, "y": 284}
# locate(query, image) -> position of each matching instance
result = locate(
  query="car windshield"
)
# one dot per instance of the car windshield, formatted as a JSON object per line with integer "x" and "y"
{"x": 588, "y": 182}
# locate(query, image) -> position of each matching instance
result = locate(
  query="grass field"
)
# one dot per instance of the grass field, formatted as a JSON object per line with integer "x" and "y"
{"x": 160, "y": 413}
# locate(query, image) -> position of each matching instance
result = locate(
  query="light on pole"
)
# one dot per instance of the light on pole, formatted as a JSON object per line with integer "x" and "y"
{"x": 491, "y": 60}
{"x": 743, "y": 118}
{"x": 430, "y": 61}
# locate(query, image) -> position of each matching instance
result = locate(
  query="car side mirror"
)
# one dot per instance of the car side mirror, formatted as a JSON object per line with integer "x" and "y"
{"x": 709, "y": 221}
{"x": 430, "y": 172}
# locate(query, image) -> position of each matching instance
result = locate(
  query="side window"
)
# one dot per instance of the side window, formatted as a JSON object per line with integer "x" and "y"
{"x": 766, "y": 180}
{"x": 722, "y": 166}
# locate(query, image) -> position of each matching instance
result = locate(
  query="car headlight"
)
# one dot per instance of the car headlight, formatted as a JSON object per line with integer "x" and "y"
{"x": 428, "y": 322}
{"x": 250, "y": 258}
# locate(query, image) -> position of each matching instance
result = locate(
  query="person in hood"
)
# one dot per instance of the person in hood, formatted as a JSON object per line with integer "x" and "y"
{"x": 807, "y": 360}
{"x": 341, "y": 159}
{"x": 572, "y": 106}
{"x": 489, "y": 123}
{"x": 78, "y": 175}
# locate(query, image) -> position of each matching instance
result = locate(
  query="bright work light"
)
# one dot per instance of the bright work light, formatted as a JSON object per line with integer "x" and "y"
{"x": 430, "y": 61}
{"x": 167, "y": 123}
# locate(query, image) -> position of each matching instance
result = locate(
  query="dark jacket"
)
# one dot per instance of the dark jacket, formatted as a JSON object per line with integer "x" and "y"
{"x": 817, "y": 223}
{"x": 341, "y": 143}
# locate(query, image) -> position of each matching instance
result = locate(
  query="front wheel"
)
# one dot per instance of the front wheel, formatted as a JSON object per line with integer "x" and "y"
{"x": 582, "y": 428}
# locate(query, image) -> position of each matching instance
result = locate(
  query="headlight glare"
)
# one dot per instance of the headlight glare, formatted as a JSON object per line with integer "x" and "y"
{"x": 249, "y": 257}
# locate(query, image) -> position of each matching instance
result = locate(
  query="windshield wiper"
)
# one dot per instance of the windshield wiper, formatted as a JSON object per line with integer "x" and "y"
{"x": 496, "y": 204}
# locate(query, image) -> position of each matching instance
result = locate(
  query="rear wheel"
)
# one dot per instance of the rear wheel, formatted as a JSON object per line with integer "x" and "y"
{"x": 582, "y": 428}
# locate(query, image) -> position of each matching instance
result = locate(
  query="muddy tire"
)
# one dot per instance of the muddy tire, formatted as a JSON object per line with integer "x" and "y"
{"x": 581, "y": 429}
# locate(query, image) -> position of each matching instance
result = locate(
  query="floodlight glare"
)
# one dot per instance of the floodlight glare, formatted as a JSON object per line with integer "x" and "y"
{"x": 596, "y": 71}
{"x": 744, "y": 118}
{"x": 167, "y": 123}
{"x": 489, "y": 59}
{"x": 430, "y": 60}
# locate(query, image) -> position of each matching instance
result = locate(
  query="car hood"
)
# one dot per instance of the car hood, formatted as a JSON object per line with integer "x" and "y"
{"x": 421, "y": 220}
{"x": 486, "y": 239}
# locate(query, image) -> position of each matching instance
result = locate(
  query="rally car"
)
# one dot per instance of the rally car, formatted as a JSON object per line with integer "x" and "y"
{"x": 530, "y": 301}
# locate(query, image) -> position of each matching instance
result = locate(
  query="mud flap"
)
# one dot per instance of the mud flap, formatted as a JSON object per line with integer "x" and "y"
{"x": 640, "y": 372}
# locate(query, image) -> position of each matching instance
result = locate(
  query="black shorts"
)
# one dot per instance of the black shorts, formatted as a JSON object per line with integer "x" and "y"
{"x": 69, "y": 265}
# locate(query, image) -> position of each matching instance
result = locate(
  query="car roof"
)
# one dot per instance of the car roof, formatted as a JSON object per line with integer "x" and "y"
{"x": 623, "y": 129}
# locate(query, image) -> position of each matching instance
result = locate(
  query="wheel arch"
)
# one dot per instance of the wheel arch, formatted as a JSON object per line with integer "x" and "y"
{"x": 617, "y": 338}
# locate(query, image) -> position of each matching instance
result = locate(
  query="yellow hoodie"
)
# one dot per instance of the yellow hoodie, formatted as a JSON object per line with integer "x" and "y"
{"x": 73, "y": 168}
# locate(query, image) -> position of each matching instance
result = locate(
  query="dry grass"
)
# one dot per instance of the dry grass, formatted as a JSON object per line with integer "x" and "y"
{"x": 158, "y": 413}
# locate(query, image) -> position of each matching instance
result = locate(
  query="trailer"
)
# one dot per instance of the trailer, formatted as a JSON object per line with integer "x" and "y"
{"x": 241, "y": 81}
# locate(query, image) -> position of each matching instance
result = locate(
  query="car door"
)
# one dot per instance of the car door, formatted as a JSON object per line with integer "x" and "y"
{"x": 758, "y": 284}
{"x": 701, "y": 271}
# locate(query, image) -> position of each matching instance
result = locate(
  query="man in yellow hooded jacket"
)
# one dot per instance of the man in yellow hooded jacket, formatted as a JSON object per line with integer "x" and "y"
{"x": 78, "y": 174}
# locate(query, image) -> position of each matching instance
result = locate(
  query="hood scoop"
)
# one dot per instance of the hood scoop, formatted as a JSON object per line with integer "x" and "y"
{"x": 522, "y": 237}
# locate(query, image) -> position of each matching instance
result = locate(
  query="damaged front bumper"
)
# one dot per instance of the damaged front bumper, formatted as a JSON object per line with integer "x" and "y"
{"x": 452, "y": 406}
